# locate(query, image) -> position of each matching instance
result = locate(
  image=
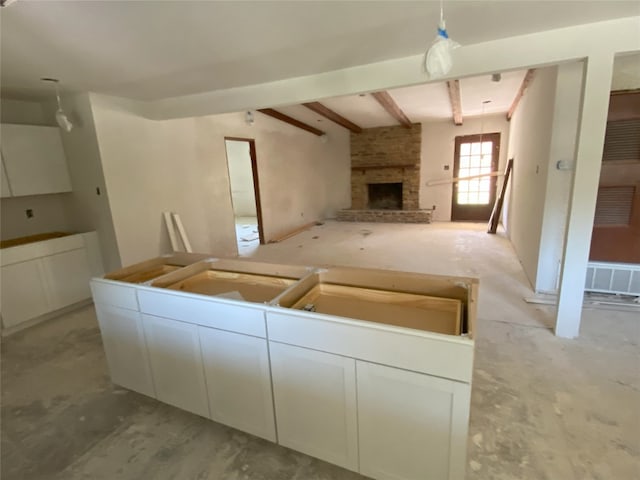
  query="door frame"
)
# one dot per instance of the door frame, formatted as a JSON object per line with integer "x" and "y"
{"x": 256, "y": 181}
{"x": 495, "y": 137}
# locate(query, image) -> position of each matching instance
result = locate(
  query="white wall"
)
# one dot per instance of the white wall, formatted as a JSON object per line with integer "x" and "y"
{"x": 50, "y": 214}
{"x": 23, "y": 112}
{"x": 529, "y": 146}
{"x": 558, "y": 189}
{"x": 180, "y": 165}
{"x": 87, "y": 211}
{"x": 438, "y": 145}
{"x": 241, "y": 178}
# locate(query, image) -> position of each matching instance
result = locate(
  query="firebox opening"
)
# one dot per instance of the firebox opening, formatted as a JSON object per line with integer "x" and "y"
{"x": 385, "y": 196}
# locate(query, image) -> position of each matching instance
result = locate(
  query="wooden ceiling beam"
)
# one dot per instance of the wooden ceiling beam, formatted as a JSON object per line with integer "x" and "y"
{"x": 326, "y": 112}
{"x": 290, "y": 120}
{"x": 392, "y": 108}
{"x": 456, "y": 104}
{"x": 526, "y": 81}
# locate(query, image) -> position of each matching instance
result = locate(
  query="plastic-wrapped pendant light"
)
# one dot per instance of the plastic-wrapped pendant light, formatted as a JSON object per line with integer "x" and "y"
{"x": 61, "y": 118}
{"x": 437, "y": 60}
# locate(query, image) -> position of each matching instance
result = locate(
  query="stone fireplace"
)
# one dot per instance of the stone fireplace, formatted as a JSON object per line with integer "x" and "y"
{"x": 385, "y": 176}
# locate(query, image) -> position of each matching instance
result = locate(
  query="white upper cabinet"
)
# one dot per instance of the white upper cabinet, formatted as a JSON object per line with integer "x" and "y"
{"x": 34, "y": 160}
{"x": 5, "y": 191}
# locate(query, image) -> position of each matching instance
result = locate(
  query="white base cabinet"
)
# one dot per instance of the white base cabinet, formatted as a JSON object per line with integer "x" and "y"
{"x": 412, "y": 426}
{"x": 389, "y": 402}
{"x": 125, "y": 348}
{"x": 67, "y": 274}
{"x": 315, "y": 398}
{"x": 23, "y": 293}
{"x": 176, "y": 363}
{"x": 238, "y": 379}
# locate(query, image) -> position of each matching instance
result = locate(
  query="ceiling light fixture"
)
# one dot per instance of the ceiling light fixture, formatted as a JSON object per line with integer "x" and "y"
{"x": 248, "y": 117}
{"x": 63, "y": 121}
{"x": 437, "y": 60}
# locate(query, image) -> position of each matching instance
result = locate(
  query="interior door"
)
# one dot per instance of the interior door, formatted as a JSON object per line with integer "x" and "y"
{"x": 475, "y": 155}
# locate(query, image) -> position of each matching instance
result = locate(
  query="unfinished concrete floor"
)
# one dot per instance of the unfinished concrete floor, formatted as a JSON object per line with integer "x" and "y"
{"x": 542, "y": 407}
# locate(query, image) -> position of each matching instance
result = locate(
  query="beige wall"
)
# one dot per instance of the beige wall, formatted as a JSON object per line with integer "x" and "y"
{"x": 241, "y": 178}
{"x": 529, "y": 146}
{"x": 180, "y": 166}
{"x": 438, "y": 143}
{"x": 558, "y": 188}
{"x": 50, "y": 214}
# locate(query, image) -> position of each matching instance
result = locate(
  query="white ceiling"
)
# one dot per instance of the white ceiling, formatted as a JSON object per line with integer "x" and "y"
{"x": 420, "y": 103}
{"x": 158, "y": 49}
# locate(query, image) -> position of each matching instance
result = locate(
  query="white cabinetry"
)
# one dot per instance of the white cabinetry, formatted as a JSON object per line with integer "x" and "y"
{"x": 124, "y": 345}
{"x": 23, "y": 293}
{"x": 176, "y": 363}
{"x": 238, "y": 381}
{"x": 315, "y": 398}
{"x": 412, "y": 426}
{"x": 34, "y": 160}
{"x": 67, "y": 275}
{"x": 42, "y": 277}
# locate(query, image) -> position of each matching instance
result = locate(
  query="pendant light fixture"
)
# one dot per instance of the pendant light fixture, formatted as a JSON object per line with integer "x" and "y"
{"x": 61, "y": 118}
{"x": 437, "y": 60}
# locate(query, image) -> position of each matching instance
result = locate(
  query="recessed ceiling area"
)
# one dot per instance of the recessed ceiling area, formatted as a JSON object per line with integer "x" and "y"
{"x": 420, "y": 103}
{"x": 154, "y": 50}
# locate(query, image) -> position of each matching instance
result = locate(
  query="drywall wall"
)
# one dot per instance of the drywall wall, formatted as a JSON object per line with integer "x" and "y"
{"x": 50, "y": 214}
{"x": 302, "y": 179}
{"x": 529, "y": 146}
{"x": 241, "y": 178}
{"x": 438, "y": 144}
{"x": 180, "y": 166}
{"x": 24, "y": 112}
{"x": 87, "y": 210}
{"x": 556, "y": 204}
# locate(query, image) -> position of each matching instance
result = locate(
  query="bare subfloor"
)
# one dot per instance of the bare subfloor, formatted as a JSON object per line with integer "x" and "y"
{"x": 542, "y": 407}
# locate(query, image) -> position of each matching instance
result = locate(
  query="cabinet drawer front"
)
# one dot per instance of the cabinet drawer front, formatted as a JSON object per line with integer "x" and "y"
{"x": 110, "y": 293}
{"x": 205, "y": 312}
{"x": 411, "y": 426}
{"x": 434, "y": 355}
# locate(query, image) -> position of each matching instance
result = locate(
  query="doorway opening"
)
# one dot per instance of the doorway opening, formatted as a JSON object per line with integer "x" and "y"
{"x": 476, "y": 157}
{"x": 245, "y": 193}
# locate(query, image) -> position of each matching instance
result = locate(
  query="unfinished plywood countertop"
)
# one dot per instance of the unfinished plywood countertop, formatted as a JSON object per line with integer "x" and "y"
{"x": 40, "y": 237}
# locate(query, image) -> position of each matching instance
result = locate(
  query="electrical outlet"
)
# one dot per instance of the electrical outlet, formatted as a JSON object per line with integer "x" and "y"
{"x": 97, "y": 190}
{"x": 446, "y": 167}
{"x": 29, "y": 212}
{"x": 434, "y": 207}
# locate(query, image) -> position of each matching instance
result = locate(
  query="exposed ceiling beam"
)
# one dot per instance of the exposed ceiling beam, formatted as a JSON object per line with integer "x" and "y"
{"x": 456, "y": 103}
{"x": 291, "y": 121}
{"x": 526, "y": 81}
{"x": 392, "y": 107}
{"x": 326, "y": 112}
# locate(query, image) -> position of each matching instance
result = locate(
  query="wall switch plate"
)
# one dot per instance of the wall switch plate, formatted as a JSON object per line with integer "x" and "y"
{"x": 446, "y": 167}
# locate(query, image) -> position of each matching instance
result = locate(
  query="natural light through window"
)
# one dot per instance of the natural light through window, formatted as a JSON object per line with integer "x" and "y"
{"x": 475, "y": 159}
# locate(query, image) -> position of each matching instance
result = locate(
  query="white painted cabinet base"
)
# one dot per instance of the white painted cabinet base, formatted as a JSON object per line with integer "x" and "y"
{"x": 125, "y": 348}
{"x": 176, "y": 363}
{"x": 412, "y": 426}
{"x": 238, "y": 378}
{"x": 315, "y": 398}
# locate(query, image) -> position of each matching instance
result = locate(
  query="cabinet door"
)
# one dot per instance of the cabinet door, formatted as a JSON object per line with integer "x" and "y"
{"x": 315, "y": 398}
{"x": 34, "y": 159}
{"x": 238, "y": 378}
{"x": 176, "y": 363}
{"x": 411, "y": 426}
{"x": 5, "y": 191}
{"x": 67, "y": 278}
{"x": 125, "y": 348}
{"x": 23, "y": 293}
